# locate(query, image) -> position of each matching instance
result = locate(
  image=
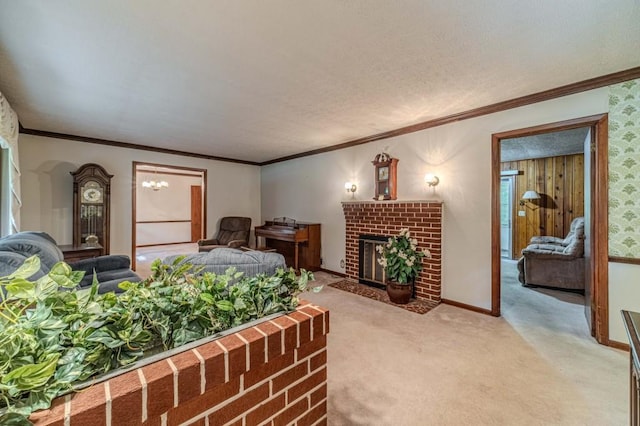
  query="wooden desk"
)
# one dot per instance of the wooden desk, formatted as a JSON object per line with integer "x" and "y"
{"x": 74, "y": 253}
{"x": 632, "y": 325}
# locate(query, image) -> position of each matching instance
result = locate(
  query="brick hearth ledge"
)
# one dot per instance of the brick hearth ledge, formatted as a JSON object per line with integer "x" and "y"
{"x": 275, "y": 371}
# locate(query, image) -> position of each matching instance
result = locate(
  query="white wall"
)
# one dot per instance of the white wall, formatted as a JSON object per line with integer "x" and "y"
{"x": 47, "y": 194}
{"x": 311, "y": 188}
{"x": 167, "y": 204}
{"x": 624, "y": 280}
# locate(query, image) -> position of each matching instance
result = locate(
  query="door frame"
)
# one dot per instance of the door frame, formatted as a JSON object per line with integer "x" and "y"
{"x": 134, "y": 188}
{"x": 599, "y": 267}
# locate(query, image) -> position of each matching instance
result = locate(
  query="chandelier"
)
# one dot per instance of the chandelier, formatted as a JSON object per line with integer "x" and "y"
{"x": 156, "y": 185}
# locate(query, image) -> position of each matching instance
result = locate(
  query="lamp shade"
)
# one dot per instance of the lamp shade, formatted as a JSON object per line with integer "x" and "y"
{"x": 531, "y": 195}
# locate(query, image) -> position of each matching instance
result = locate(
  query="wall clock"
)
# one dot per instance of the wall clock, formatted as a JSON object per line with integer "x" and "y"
{"x": 385, "y": 183}
{"x": 91, "y": 206}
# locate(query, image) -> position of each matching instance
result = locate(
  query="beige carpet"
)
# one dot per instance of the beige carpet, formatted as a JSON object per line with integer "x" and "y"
{"x": 537, "y": 365}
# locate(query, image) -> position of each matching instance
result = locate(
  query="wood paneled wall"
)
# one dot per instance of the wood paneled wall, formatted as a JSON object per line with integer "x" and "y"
{"x": 560, "y": 183}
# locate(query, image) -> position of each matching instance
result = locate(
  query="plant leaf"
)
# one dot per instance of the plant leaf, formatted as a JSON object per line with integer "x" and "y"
{"x": 28, "y": 268}
{"x": 20, "y": 288}
{"x": 62, "y": 274}
{"x": 224, "y": 305}
{"x": 32, "y": 375}
{"x": 207, "y": 298}
{"x": 14, "y": 419}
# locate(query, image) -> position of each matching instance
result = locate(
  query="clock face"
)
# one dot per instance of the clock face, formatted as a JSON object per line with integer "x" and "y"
{"x": 383, "y": 173}
{"x": 92, "y": 192}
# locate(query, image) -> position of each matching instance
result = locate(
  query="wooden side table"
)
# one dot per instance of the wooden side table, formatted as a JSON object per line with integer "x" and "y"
{"x": 73, "y": 253}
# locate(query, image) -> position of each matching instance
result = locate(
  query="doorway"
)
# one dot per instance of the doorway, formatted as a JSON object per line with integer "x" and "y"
{"x": 168, "y": 206}
{"x": 596, "y": 285}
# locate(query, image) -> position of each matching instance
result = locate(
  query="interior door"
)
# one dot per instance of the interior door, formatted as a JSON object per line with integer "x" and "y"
{"x": 506, "y": 217}
{"x": 196, "y": 213}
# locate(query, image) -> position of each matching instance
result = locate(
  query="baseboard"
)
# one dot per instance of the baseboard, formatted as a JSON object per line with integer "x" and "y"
{"x": 328, "y": 271}
{"x": 618, "y": 345}
{"x": 467, "y": 307}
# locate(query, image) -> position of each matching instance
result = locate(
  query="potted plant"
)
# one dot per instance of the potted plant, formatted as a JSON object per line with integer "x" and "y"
{"x": 402, "y": 261}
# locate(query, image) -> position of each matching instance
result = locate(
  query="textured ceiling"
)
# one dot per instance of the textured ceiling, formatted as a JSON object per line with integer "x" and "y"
{"x": 257, "y": 80}
{"x": 545, "y": 145}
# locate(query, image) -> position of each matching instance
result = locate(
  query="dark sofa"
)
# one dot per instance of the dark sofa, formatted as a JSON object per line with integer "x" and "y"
{"x": 16, "y": 248}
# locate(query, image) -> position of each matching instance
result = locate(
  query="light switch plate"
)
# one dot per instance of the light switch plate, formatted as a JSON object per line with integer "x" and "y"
{"x": 521, "y": 213}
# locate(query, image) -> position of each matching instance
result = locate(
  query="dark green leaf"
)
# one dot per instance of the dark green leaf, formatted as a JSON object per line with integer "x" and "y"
{"x": 14, "y": 419}
{"x": 32, "y": 375}
{"x": 224, "y": 305}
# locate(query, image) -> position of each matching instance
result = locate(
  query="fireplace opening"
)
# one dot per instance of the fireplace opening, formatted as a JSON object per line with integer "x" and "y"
{"x": 370, "y": 272}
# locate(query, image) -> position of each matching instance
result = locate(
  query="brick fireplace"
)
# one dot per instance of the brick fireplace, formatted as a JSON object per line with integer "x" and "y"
{"x": 386, "y": 218}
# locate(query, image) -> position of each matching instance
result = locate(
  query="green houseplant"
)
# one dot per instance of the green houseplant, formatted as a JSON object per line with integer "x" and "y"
{"x": 52, "y": 339}
{"x": 401, "y": 259}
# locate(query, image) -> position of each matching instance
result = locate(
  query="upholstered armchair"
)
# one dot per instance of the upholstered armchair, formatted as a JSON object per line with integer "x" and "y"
{"x": 233, "y": 232}
{"x": 555, "y": 262}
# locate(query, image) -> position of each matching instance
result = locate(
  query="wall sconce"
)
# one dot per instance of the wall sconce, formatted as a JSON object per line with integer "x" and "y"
{"x": 431, "y": 179}
{"x": 528, "y": 196}
{"x": 350, "y": 187}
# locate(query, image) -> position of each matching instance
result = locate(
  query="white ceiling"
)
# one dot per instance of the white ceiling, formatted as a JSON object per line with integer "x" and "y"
{"x": 258, "y": 80}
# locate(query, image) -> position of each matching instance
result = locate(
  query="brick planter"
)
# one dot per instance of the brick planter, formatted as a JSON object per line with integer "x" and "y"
{"x": 386, "y": 218}
{"x": 275, "y": 371}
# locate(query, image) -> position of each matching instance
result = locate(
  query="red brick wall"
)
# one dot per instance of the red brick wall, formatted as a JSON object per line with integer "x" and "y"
{"x": 274, "y": 372}
{"x": 424, "y": 220}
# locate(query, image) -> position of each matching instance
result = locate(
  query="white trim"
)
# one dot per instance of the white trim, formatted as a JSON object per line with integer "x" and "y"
{"x": 143, "y": 382}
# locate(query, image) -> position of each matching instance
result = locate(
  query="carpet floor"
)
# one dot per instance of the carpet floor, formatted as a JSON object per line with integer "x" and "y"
{"x": 535, "y": 365}
{"x": 415, "y": 305}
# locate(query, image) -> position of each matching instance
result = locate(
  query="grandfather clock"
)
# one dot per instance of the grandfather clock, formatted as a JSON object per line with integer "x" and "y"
{"x": 91, "y": 206}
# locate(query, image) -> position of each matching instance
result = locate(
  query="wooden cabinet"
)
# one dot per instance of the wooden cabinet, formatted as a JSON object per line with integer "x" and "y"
{"x": 91, "y": 207}
{"x": 385, "y": 177}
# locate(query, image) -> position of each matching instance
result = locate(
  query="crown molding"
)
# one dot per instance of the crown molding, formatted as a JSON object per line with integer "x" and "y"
{"x": 558, "y": 92}
{"x": 118, "y": 144}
